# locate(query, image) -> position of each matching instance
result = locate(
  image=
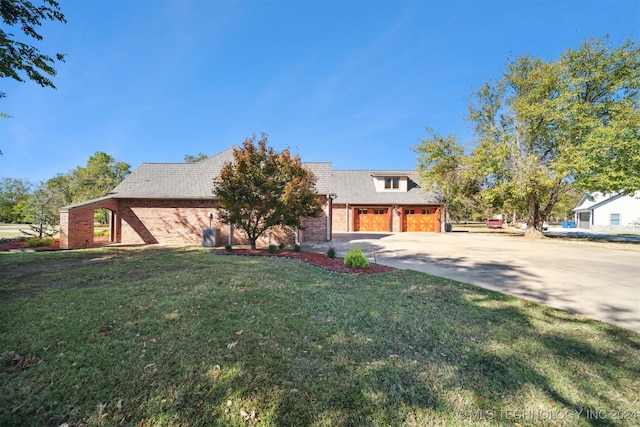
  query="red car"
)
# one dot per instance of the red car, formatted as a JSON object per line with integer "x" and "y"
{"x": 494, "y": 223}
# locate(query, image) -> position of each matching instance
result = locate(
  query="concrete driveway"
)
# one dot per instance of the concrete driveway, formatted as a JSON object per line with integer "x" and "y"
{"x": 600, "y": 281}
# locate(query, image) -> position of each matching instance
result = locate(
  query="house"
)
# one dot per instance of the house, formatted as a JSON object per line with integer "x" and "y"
{"x": 599, "y": 211}
{"x": 172, "y": 203}
{"x": 384, "y": 201}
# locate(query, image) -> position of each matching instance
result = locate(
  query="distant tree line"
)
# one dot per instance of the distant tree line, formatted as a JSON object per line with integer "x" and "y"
{"x": 22, "y": 201}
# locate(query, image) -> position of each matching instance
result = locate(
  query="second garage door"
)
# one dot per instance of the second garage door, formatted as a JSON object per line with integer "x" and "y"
{"x": 419, "y": 219}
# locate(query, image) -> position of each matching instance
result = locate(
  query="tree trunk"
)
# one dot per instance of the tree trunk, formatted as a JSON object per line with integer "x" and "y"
{"x": 534, "y": 220}
{"x": 253, "y": 243}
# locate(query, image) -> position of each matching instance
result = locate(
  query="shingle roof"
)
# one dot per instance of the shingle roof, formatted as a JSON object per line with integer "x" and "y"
{"x": 193, "y": 180}
{"x": 357, "y": 187}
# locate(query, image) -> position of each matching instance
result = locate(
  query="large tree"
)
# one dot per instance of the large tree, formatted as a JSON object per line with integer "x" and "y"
{"x": 261, "y": 189}
{"x": 19, "y": 59}
{"x": 14, "y": 200}
{"x": 101, "y": 174}
{"x": 548, "y": 127}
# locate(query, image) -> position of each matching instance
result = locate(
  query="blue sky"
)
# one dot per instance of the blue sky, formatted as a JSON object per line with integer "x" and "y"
{"x": 351, "y": 82}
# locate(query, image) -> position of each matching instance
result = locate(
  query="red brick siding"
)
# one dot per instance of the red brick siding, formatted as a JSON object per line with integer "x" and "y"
{"x": 315, "y": 229}
{"x": 339, "y": 219}
{"x": 145, "y": 221}
{"x": 76, "y": 224}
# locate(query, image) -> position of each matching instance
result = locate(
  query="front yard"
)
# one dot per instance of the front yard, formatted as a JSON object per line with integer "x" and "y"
{"x": 170, "y": 337}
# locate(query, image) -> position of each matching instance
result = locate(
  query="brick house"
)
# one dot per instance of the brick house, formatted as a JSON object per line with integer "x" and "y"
{"x": 171, "y": 203}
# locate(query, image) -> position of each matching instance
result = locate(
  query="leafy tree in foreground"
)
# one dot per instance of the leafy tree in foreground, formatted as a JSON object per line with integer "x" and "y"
{"x": 262, "y": 189}
{"x": 18, "y": 58}
{"x": 546, "y": 128}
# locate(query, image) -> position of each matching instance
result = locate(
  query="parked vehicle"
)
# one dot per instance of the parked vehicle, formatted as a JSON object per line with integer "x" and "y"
{"x": 494, "y": 223}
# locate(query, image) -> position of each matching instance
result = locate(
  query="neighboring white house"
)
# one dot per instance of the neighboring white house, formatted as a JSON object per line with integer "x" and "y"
{"x": 599, "y": 211}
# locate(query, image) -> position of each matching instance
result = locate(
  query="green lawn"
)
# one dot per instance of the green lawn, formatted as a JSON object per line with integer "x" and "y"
{"x": 183, "y": 337}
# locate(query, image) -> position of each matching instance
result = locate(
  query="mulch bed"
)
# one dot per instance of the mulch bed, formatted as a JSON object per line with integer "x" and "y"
{"x": 317, "y": 259}
{"x": 21, "y": 245}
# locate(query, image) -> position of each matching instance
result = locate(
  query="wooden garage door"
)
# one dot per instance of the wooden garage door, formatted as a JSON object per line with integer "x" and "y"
{"x": 419, "y": 219}
{"x": 371, "y": 219}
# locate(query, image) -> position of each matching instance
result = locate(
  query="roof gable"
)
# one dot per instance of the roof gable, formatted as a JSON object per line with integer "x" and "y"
{"x": 358, "y": 187}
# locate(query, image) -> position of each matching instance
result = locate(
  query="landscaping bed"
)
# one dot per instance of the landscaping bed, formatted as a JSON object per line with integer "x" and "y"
{"x": 319, "y": 260}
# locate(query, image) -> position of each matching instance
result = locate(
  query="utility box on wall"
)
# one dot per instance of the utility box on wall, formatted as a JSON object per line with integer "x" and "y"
{"x": 210, "y": 237}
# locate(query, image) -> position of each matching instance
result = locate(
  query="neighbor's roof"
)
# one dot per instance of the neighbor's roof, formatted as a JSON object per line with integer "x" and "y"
{"x": 192, "y": 180}
{"x": 357, "y": 187}
{"x": 594, "y": 200}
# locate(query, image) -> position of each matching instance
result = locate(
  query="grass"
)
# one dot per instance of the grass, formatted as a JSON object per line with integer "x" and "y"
{"x": 176, "y": 337}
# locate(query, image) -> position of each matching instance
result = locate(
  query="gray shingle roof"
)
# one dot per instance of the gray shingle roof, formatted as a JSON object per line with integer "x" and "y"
{"x": 193, "y": 180}
{"x": 357, "y": 187}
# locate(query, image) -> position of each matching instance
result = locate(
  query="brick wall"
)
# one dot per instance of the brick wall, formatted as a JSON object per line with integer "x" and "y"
{"x": 339, "y": 219}
{"x": 146, "y": 221}
{"x": 76, "y": 224}
{"x": 315, "y": 229}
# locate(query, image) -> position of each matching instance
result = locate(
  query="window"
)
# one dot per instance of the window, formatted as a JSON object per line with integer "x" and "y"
{"x": 614, "y": 219}
{"x": 392, "y": 183}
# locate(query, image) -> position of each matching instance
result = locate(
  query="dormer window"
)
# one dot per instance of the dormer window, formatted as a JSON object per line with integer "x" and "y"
{"x": 392, "y": 183}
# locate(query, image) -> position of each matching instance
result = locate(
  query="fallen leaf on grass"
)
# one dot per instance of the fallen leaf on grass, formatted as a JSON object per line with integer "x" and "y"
{"x": 101, "y": 408}
{"x": 253, "y": 416}
{"x": 239, "y": 332}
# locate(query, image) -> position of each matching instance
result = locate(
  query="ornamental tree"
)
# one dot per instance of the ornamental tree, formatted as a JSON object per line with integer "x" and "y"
{"x": 261, "y": 189}
{"x": 546, "y": 128}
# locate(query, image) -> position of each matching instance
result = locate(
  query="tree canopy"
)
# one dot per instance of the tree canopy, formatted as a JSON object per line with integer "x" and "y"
{"x": 193, "y": 159}
{"x": 101, "y": 175}
{"x": 261, "y": 189}
{"x": 546, "y": 128}
{"x": 19, "y": 59}
{"x": 14, "y": 200}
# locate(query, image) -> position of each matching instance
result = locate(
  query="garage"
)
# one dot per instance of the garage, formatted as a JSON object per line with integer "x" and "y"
{"x": 420, "y": 219}
{"x": 371, "y": 219}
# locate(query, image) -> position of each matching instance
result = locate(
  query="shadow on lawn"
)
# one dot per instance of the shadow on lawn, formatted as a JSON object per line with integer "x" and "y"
{"x": 398, "y": 349}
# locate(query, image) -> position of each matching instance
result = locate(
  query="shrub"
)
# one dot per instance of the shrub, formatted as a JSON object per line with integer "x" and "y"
{"x": 331, "y": 253}
{"x": 228, "y": 248}
{"x": 281, "y": 246}
{"x": 297, "y": 248}
{"x": 273, "y": 249}
{"x": 34, "y": 242}
{"x": 356, "y": 259}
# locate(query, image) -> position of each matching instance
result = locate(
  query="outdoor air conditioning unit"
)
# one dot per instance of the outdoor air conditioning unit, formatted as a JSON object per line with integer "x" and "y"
{"x": 210, "y": 237}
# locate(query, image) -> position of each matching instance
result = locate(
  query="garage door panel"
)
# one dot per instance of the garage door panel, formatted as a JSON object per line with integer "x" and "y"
{"x": 371, "y": 219}
{"x": 419, "y": 219}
